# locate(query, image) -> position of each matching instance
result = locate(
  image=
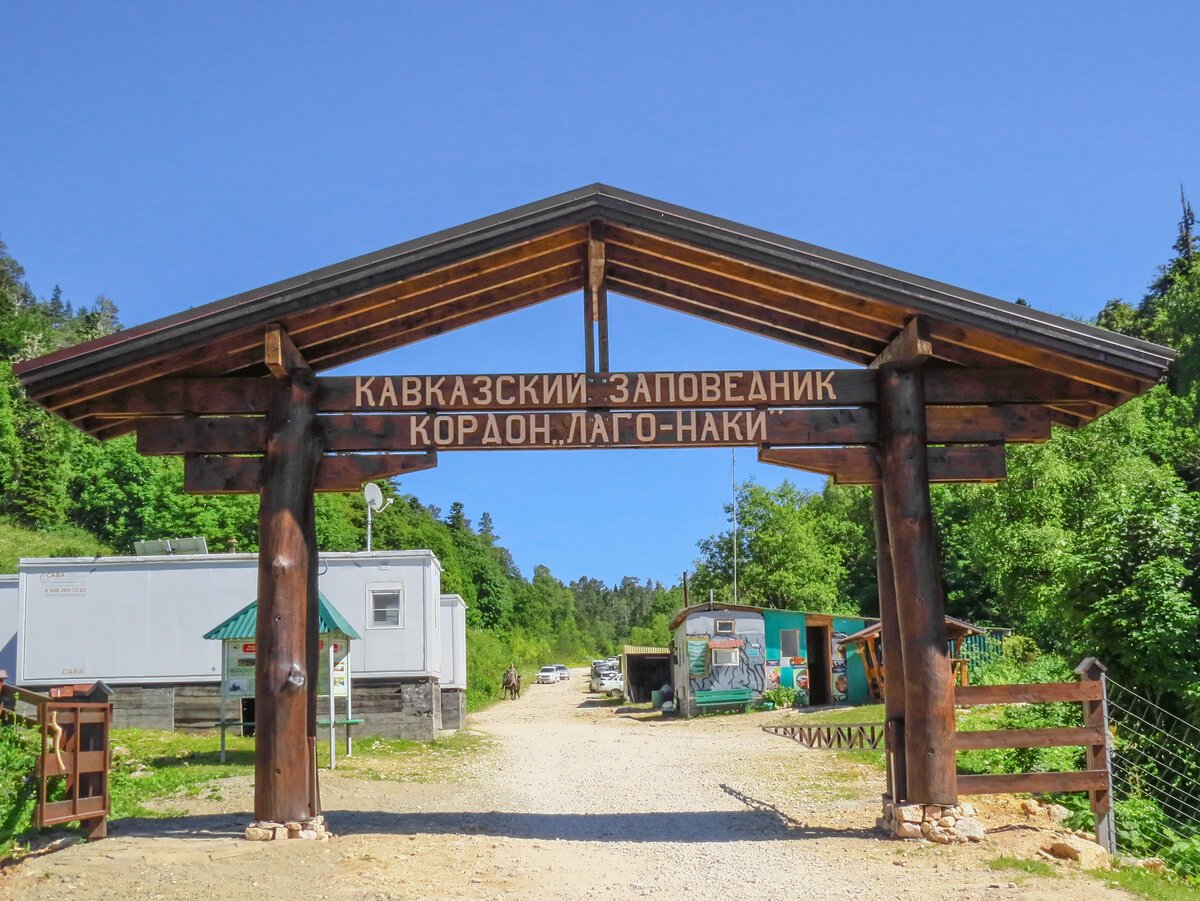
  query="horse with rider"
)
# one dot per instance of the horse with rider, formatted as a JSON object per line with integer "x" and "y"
{"x": 512, "y": 683}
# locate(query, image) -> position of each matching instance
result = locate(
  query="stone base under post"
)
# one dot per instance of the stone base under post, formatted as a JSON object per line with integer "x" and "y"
{"x": 265, "y": 831}
{"x": 939, "y": 823}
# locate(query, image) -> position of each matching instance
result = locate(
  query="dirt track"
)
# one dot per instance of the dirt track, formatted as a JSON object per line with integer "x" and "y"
{"x": 575, "y": 799}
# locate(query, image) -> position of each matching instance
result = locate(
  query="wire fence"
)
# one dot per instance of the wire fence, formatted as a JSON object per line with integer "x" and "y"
{"x": 1156, "y": 781}
{"x": 981, "y": 649}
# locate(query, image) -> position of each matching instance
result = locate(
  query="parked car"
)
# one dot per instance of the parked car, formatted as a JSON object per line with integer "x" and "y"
{"x": 613, "y": 685}
{"x": 564, "y": 674}
{"x": 599, "y": 677}
{"x": 547, "y": 675}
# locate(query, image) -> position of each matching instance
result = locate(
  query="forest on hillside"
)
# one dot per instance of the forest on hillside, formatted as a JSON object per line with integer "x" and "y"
{"x": 1091, "y": 546}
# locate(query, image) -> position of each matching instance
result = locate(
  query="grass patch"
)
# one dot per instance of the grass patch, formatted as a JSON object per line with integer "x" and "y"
{"x": 399, "y": 760}
{"x": 16, "y": 541}
{"x": 1032, "y": 867}
{"x": 1148, "y": 885}
{"x": 833, "y": 716}
{"x": 153, "y": 766}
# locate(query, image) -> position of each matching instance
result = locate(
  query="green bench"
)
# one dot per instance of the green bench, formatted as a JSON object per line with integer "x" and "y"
{"x": 742, "y": 697}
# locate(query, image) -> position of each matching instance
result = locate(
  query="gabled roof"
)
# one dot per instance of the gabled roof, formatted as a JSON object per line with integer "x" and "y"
{"x": 955, "y": 628}
{"x": 666, "y": 255}
{"x": 243, "y": 625}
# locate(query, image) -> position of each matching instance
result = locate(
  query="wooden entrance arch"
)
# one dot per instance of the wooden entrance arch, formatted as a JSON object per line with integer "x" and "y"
{"x": 951, "y": 376}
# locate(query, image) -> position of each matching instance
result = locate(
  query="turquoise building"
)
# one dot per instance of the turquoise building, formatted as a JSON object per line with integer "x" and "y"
{"x": 804, "y": 651}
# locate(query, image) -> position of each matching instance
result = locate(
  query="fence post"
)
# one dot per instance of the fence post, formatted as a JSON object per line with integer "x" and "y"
{"x": 1095, "y": 713}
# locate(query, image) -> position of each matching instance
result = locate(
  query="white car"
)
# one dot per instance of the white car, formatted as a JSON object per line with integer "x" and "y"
{"x": 612, "y": 684}
{"x": 564, "y": 674}
{"x": 547, "y": 674}
{"x": 599, "y": 678}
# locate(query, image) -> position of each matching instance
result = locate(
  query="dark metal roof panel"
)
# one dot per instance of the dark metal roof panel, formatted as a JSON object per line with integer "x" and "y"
{"x": 837, "y": 270}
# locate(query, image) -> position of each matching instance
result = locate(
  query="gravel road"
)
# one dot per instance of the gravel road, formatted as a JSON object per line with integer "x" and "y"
{"x": 574, "y": 798}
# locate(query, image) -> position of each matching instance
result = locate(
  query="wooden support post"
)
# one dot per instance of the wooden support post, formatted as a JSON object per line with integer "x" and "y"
{"x": 893, "y": 655}
{"x": 599, "y": 291}
{"x": 928, "y": 684}
{"x": 1095, "y": 714}
{"x": 283, "y": 783}
{"x": 589, "y": 331}
{"x": 312, "y": 647}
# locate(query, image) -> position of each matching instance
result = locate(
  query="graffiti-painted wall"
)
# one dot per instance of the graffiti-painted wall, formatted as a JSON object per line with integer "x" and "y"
{"x": 719, "y": 649}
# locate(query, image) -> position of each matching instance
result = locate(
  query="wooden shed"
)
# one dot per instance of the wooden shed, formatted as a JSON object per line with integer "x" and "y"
{"x": 869, "y": 643}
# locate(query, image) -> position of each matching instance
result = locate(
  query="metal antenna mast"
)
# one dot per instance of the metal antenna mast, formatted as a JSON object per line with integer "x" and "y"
{"x": 735, "y": 523}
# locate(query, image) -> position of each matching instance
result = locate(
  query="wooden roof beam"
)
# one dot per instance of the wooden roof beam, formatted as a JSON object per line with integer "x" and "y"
{"x": 709, "y": 304}
{"x": 419, "y": 327}
{"x": 281, "y": 355}
{"x": 910, "y": 349}
{"x": 731, "y": 316}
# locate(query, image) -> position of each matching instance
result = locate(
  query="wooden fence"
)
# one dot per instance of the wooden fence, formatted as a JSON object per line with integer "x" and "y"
{"x": 74, "y": 729}
{"x": 1095, "y": 779}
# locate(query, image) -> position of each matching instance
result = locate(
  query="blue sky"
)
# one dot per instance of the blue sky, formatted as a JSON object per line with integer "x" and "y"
{"x": 168, "y": 156}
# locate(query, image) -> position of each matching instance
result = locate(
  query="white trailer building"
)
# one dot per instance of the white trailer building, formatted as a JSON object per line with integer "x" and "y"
{"x": 138, "y": 624}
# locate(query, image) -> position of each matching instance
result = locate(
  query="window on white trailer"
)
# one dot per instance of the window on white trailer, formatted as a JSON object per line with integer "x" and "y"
{"x": 385, "y": 609}
{"x": 725, "y": 656}
{"x": 724, "y": 627}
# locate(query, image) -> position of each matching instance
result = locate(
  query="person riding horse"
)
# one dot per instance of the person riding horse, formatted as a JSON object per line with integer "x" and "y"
{"x": 512, "y": 682}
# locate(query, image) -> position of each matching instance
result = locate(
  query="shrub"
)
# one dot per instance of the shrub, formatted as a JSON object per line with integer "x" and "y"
{"x": 18, "y": 783}
{"x": 781, "y": 697}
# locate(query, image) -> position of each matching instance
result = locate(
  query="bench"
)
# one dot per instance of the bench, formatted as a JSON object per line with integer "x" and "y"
{"x": 725, "y": 697}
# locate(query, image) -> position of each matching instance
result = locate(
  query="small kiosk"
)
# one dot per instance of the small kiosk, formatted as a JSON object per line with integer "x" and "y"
{"x": 239, "y": 654}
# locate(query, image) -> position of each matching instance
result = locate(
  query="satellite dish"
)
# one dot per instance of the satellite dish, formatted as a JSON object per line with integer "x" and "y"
{"x": 375, "y": 504}
{"x": 373, "y": 496}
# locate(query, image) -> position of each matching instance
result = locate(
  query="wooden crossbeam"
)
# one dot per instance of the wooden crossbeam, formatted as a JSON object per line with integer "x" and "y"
{"x": 622, "y": 390}
{"x": 335, "y": 473}
{"x": 860, "y": 465}
{"x": 570, "y": 430}
{"x": 1081, "y": 780}
{"x": 1010, "y": 385}
{"x": 1038, "y": 693}
{"x": 987, "y": 739}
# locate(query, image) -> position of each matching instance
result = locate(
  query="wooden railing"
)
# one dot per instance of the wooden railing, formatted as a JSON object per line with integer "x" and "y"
{"x": 843, "y": 737}
{"x": 74, "y": 730}
{"x": 1096, "y": 779}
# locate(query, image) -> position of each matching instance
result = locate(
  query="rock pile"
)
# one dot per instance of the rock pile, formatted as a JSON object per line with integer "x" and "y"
{"x": 266, "y": 831}
{"x": 944, "y": 824}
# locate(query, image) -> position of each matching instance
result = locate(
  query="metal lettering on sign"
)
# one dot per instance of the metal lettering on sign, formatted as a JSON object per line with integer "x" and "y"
{"x": 678, "y": 428}
{"x": 573, "y": 390}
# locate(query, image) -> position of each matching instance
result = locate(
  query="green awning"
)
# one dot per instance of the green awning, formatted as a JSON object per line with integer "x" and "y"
{"x": 242, "y": 625}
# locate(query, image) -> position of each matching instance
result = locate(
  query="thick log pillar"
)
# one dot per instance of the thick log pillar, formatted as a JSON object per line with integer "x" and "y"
{"x": 284, "y": 774}
{"x": 893, "y": 655}
{"x": 928, "y": 686}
